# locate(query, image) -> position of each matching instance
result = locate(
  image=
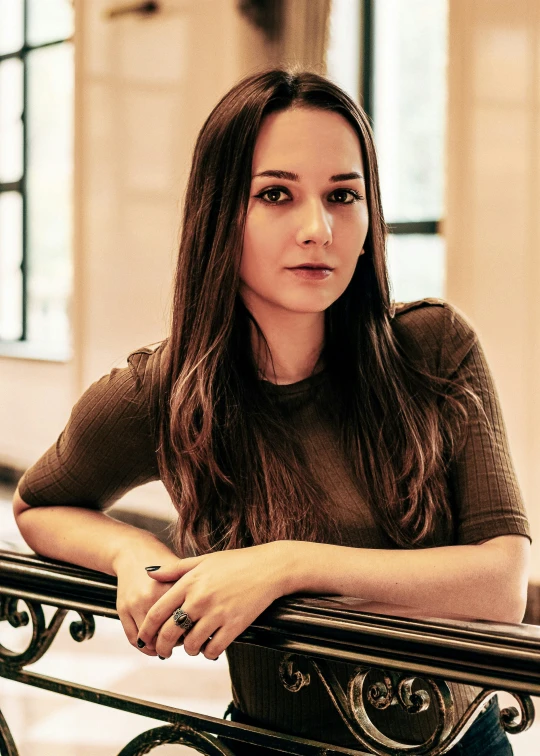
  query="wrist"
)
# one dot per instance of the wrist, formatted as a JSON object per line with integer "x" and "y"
{"x": 291, "y": 559}
{"x": 140, "y": 547}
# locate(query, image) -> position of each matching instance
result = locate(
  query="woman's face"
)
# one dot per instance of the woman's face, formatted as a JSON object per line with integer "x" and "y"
{"x": 307, "y": 208}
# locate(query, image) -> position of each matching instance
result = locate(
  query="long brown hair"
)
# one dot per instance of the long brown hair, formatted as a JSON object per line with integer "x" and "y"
{"x": 233, "y": 467}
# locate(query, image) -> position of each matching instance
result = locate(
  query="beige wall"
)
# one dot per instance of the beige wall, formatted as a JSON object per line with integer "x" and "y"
{"x": 143, "y": 90}
{"x": 146, "y": 86}
{"x": 36, "y": 401}
{"x": 493, "y": 208}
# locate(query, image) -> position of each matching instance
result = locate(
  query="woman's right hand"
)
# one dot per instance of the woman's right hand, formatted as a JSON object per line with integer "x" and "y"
{"x": 137, "y": 593}
{"x": 94, "y": 540}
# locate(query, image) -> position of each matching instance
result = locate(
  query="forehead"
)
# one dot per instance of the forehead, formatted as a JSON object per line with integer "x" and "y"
{"x": 307, "y": 137}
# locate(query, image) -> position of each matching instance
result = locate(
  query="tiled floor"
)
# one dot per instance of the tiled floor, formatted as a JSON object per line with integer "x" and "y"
{"x": 48, "y": 724}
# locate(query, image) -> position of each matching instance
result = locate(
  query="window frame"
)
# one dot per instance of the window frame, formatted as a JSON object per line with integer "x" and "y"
{"x": 21, "y": 347}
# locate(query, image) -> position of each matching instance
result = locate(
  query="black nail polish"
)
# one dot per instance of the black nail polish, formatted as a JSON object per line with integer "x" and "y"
{"x": 162, "y": 657}
{"x": 140, "y": 643}
{"x": 153, "y": 568}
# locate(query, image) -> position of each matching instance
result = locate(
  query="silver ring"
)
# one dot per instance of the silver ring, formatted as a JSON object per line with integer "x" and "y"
{"x": 182, "y": 619}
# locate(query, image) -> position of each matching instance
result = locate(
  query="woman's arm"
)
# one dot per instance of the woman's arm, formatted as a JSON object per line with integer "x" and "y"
{"x": 106, "y": 449}
{"x": 94, "y": 540}
{"x": 223, "y": 592}
{"x": 479, "y": 581}
{"x": 85, "y": 537}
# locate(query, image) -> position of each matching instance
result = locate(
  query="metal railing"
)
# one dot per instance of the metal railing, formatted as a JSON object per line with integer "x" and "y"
{"x": 400, "y": 659}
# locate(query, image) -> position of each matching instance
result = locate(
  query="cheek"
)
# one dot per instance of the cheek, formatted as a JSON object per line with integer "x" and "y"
{"x": 351, "y": 237}
{"x": 259, "y": 252}
{"x": 250, "y": 257}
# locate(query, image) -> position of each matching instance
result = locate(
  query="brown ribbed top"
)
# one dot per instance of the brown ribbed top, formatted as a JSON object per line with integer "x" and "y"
{"x": 108, "y": 447}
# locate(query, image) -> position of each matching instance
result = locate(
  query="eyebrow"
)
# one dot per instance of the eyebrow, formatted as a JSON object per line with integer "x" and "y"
{"x": 289, "y": 176}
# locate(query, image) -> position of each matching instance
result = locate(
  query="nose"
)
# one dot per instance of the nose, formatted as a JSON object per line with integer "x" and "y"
{"x": 314, "y": 225}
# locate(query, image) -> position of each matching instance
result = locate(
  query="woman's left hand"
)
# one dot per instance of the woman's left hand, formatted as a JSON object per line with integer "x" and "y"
{"x": 222, "y": 592}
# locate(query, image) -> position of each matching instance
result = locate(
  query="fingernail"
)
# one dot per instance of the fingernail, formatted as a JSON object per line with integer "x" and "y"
{"x": 153, "y": 568}
{"x": 162, "y": 657}
{"x": 140, "y": 643}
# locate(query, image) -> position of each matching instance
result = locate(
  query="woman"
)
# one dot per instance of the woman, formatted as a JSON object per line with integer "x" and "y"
{"x": 312, "y": 437}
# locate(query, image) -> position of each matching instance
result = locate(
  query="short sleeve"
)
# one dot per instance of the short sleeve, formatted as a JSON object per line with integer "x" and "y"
{"x": 107, "y": 446}
{"x": 485, "y": 494}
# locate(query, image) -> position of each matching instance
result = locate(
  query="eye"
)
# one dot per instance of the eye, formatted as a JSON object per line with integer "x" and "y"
{"x": 272, "y": 195}
{"x": 342, "y": 194}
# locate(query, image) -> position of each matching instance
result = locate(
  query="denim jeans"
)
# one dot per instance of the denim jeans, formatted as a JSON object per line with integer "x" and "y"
{"x": 485, "y": 737}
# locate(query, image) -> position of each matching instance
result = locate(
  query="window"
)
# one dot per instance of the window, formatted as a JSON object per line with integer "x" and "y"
{"x": 402, "y": 85}
{"x": 36, "y": 175}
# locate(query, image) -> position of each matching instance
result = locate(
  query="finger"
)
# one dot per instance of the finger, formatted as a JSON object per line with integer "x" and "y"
{"x": 196, "y": 639}
{"x": 160, "y": 612}
{"x": 167, "y": 638}
{"x": 150, "y": 645}
{"x": 130, "y": 629}
{"x": 172, "y": 572}
{"x": 220, "y": 640}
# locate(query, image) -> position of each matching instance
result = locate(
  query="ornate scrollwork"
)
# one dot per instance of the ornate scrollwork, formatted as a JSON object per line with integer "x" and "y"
{"x": 8, "y": 611}
{"x": 396, "y": 689}
{"x": 84, "y": 628}
{"x": 508, "y": 716}
{"x": 413, "y": 702}
{"x": 42, "y": 634}
{"x": 525, "y": 714}
{"x": 412, "y": 694}
{"x": 290, "y": 674}
{"x": 179, "y": 735}
{"x": 381, "y": 694}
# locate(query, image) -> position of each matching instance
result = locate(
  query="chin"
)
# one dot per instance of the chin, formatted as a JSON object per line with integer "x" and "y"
{"x": 308, "y": 308}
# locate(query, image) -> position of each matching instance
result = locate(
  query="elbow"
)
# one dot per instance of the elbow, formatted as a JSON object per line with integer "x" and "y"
{"x": 518, "y": 605}
{"x": 518, "y": 587}
{"x": 514, "y": 608}
{"x": 508, "y": 607}
{"x": 508, "y": 569}
{"x": 510, "y": 590}
{"x": 19, "y": 506}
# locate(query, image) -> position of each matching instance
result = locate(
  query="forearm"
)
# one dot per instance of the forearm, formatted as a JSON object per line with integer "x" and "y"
{"x": 87, "y": 537}
{"x": 477, "y": 581}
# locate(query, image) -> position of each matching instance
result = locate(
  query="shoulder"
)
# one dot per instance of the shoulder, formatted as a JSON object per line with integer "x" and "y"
{"x": 125, "y": 393}
{"x": 434, "y": 331}
{"x": 108, "y": 444}
{"x": 146, "y": 367}
{"x": 123, "y": 402}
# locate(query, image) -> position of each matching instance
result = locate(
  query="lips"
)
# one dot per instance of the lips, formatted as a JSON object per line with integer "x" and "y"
{"x": 311, "y": 273}
{"x": 312, "y": 266}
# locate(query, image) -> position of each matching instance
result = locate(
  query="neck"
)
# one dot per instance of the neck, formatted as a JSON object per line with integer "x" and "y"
{"x": 295, "y": 341}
